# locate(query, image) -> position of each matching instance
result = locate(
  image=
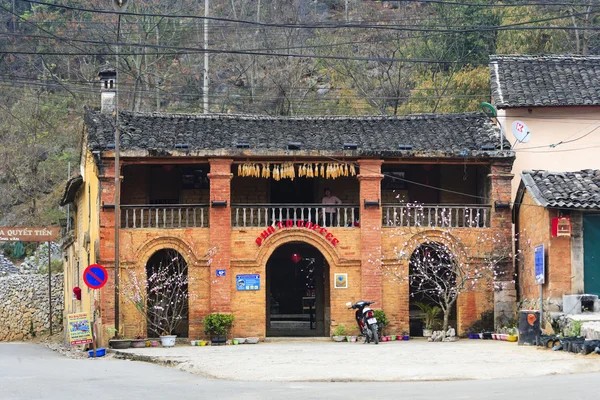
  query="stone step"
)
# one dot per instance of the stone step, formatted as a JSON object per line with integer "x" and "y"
{"x": 276, "y": 339}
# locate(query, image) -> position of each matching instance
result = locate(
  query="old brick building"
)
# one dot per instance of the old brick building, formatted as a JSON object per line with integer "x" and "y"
{"x": 240, "y": 199}
{"x": 560, "y": 211}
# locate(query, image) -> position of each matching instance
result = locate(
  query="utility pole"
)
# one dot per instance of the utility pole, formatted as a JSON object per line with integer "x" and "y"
{"x": 205, "y": 88}
{"x": 14, "y": 17}
{"x": 120, "y": 6}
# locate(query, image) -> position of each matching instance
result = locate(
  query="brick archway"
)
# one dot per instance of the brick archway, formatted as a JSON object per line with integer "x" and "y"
{"x": 454, "y": 249}
{"x": 150, "y": 247}
{"x": 452, "y": 243}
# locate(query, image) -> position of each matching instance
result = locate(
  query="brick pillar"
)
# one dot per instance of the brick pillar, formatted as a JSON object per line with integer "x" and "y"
{"x": 107, "y": 241}
{"x": 505, "y": 295}
{"x": 220, "y": 234}
{"x": 370, "y": 231}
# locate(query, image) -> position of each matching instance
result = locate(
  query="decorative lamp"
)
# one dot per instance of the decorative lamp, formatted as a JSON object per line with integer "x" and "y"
{"x": 561, "y": 226}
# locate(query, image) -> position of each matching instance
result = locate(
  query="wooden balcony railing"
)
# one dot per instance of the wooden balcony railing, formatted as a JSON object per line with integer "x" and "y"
{"x": 164, "y": 216}
{"x": 264, "y": 215}
{"x": 436, "y": 215}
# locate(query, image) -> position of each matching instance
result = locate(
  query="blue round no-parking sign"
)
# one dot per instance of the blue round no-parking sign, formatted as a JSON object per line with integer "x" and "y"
{"x": 95, "y": 276}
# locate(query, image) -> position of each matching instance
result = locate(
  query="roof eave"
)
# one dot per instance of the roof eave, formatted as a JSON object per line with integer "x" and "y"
{"x": 140, "y": 153}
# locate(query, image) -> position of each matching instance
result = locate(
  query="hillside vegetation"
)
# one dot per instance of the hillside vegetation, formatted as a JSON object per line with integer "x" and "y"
{"x": 275, "y": 57}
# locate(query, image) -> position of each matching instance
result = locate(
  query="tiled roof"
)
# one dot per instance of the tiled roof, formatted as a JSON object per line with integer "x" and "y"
{"x": 532, "y": 81}
{"x": 71, "y": 188}
{"x": 437, "y": 135}
{"x": 580, "y": 189}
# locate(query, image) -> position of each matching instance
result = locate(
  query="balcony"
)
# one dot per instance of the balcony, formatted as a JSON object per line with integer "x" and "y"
{"x": 164, "y": 216}
{"x": 265, "y": 215}
{"x": 436, "y": 215}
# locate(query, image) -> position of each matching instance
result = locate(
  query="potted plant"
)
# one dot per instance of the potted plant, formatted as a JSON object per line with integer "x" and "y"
{"x": 161, "y": 298}
{"x": 382, "y": 321}
{"x": 118, "y": 342}
{"x": 339, "y": 333}
{"x": 218, "y": 326}
{"x": 405, "y": 335}
{"x": 429, "y": 316}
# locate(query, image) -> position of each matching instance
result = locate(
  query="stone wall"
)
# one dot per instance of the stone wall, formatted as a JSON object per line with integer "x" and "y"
{"x": 24, "y": 306}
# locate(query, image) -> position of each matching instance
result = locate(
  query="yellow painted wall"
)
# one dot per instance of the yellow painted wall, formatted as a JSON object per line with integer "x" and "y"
{"x": 81, "y": 252}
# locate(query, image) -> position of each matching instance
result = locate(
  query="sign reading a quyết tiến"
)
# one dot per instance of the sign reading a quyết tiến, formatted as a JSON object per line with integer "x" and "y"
{"x": 80, "y": 331}
{"x": 28, "y": 234}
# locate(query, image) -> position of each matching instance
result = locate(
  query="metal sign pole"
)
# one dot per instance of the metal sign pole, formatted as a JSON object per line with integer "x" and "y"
{"x": 541, "y": 307}
{"x": 50, "y": 287}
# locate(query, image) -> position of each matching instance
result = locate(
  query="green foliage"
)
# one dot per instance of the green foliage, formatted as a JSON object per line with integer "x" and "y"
{"x": 485, "y": 323}
{"x": 382, "y": 319}
{"x": 218, "y": 324}
{"x": 56, "y": 267}
{"x": 340, "y": 330}
{"x": 576, "y": 330}
{"x": 430, "y": 313}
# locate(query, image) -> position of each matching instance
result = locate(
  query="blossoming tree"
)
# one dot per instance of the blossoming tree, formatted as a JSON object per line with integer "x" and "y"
{"x": 443, "y": 264}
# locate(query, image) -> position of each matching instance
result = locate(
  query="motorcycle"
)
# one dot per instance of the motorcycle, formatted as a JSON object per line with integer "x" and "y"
{"x": 365, "y": 318}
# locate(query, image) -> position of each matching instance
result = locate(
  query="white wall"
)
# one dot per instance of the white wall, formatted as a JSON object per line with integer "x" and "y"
{"x": 551, "y": 125}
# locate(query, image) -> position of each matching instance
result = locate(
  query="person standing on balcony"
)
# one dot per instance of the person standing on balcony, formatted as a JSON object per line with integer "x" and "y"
{"x": 330, "y": 212}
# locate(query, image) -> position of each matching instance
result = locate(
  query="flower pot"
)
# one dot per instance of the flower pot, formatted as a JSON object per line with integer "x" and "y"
{"x": 394, "y": 337}
{"x": 119, "y": 344}
{"x": 405, "y": 337}
{"x": 252, "y": 340}
{"x": 338, "y": 338}
{"x": 353, "y": 339}
{"x": 240, "y": 340}
{"x": 427, "y": 332}
{"x": 218, "y": 340}
{"x": 168, "y": 340}
{"x": 512, "y": 338}
{"x": 138, "y": 343}
{"x": 202, "y": 343}
{"x": 348, "y": 338}
{"x": 193, "y": 343}
{"x": 235, "y": 341}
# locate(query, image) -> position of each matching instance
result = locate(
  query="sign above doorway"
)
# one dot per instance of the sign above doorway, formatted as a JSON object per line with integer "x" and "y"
{"x": 297, "y": 224}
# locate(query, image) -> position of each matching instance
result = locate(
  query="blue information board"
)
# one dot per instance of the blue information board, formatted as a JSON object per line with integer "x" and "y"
{"x": 221, "y": 272}
{"x": 247, "y": 282}
{"x": 539, "y": 263}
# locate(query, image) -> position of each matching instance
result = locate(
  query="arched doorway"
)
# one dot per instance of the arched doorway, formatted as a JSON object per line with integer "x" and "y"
{"x": 167, "y": 288}
{"x": 432, "y": 282}
{"x": 297, "y": 291}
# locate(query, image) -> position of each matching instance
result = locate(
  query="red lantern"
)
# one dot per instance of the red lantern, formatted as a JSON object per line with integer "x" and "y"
{"x": 76, "y": 293}
{"x": 296, "y": 258}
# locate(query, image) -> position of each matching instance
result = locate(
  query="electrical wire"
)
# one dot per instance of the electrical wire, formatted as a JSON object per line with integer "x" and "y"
{"x": 304, "y": 26}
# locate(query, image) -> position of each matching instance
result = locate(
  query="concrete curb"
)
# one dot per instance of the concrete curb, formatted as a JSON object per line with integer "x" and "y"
{"x": 139, "y": 357}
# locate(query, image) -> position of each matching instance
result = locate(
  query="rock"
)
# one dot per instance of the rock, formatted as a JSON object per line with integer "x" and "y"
{"x": 25, "y": 304}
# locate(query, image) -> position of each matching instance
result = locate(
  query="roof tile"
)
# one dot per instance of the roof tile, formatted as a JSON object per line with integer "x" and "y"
{"x": 429, "y": 134}
{"x": 528, "y": 81}
{"x": 579, "y": 189}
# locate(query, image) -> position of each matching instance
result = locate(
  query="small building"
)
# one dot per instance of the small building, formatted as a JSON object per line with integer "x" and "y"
{"x": 560, "y": 210}
{"x": 552, "y": 103}
{"x": 239, "y": 200}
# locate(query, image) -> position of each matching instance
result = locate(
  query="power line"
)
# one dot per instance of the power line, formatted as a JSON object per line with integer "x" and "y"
{"x": 303, "y": 26}
{"x": 504, "y": 4}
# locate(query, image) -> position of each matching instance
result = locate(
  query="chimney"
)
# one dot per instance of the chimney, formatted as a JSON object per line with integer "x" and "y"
{"x": 108, "y": 80}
